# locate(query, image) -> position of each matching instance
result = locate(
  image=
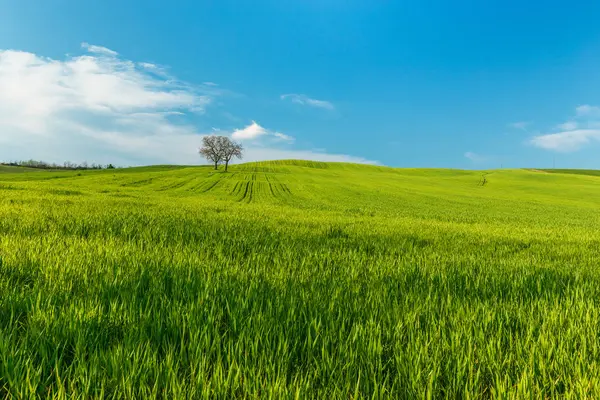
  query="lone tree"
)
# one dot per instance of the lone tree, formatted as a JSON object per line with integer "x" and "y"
{"x": 218, "y": 149}
{"x": 212, "y": 149}
{"x": 231, "y": 149}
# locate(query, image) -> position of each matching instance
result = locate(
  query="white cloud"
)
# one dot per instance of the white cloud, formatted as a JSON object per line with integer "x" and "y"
{"x": 307, "y": 101}
{"x": 566, "y": 141}
{"x": 99, "y": 50}
{"x": 94, "y": 107}
{"x": 98, "y": 107}
{"x": 573, "y": 134}
{"x": 476, "y": 158}
{"x": 255, "y": 131}
{"x": 252, "y": 131}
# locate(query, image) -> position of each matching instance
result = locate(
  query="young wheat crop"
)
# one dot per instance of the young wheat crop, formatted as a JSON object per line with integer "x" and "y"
{"x": 299, "y": 280}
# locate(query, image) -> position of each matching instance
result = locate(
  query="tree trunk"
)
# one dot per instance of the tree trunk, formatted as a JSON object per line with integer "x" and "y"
{"x": 226, "y": 164}
{"x": 216, "y": 162}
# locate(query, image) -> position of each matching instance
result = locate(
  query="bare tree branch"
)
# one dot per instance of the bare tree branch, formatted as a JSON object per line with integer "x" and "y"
{"x": 218, "y": 149}
{"x": 212, "y": 149}
{"x": 232, "y": 149}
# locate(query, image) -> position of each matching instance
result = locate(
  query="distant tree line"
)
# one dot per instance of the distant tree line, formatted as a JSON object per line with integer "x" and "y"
{"x": 67, "y": 165}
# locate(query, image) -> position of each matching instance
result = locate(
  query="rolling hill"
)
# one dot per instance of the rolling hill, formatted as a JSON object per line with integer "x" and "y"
{"x": 295, "y": 279}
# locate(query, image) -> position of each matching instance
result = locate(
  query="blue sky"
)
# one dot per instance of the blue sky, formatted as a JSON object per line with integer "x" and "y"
{"x": 461, "y": 84}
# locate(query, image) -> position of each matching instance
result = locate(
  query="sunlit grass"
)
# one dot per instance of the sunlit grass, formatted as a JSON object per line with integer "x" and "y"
{"x": 299, "y": 280}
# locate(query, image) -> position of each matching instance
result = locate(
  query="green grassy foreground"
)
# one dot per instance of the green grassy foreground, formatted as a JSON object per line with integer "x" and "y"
{"x": 299, "y": 280}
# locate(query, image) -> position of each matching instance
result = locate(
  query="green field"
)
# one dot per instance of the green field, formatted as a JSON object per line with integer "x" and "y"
{"x": 299, "y": 280}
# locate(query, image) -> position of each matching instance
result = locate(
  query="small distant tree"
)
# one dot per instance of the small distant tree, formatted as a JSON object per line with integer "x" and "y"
{"x": 212, "y": 149}
{"x": 231, "y": 149}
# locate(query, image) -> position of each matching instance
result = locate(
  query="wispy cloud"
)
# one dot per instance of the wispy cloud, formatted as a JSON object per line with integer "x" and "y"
{"x": 522, "y": 125}
{"x": 262, "y": 153}
{"x": 570, "y": 136}
{"x": 586, "y": 110}
{"x": 567, "y": 126}
{"x": 307, "y": 101}
{"x": 99, "y": 50}
{"x": 284, "y": 137}
{"x": 474, "y": 157}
